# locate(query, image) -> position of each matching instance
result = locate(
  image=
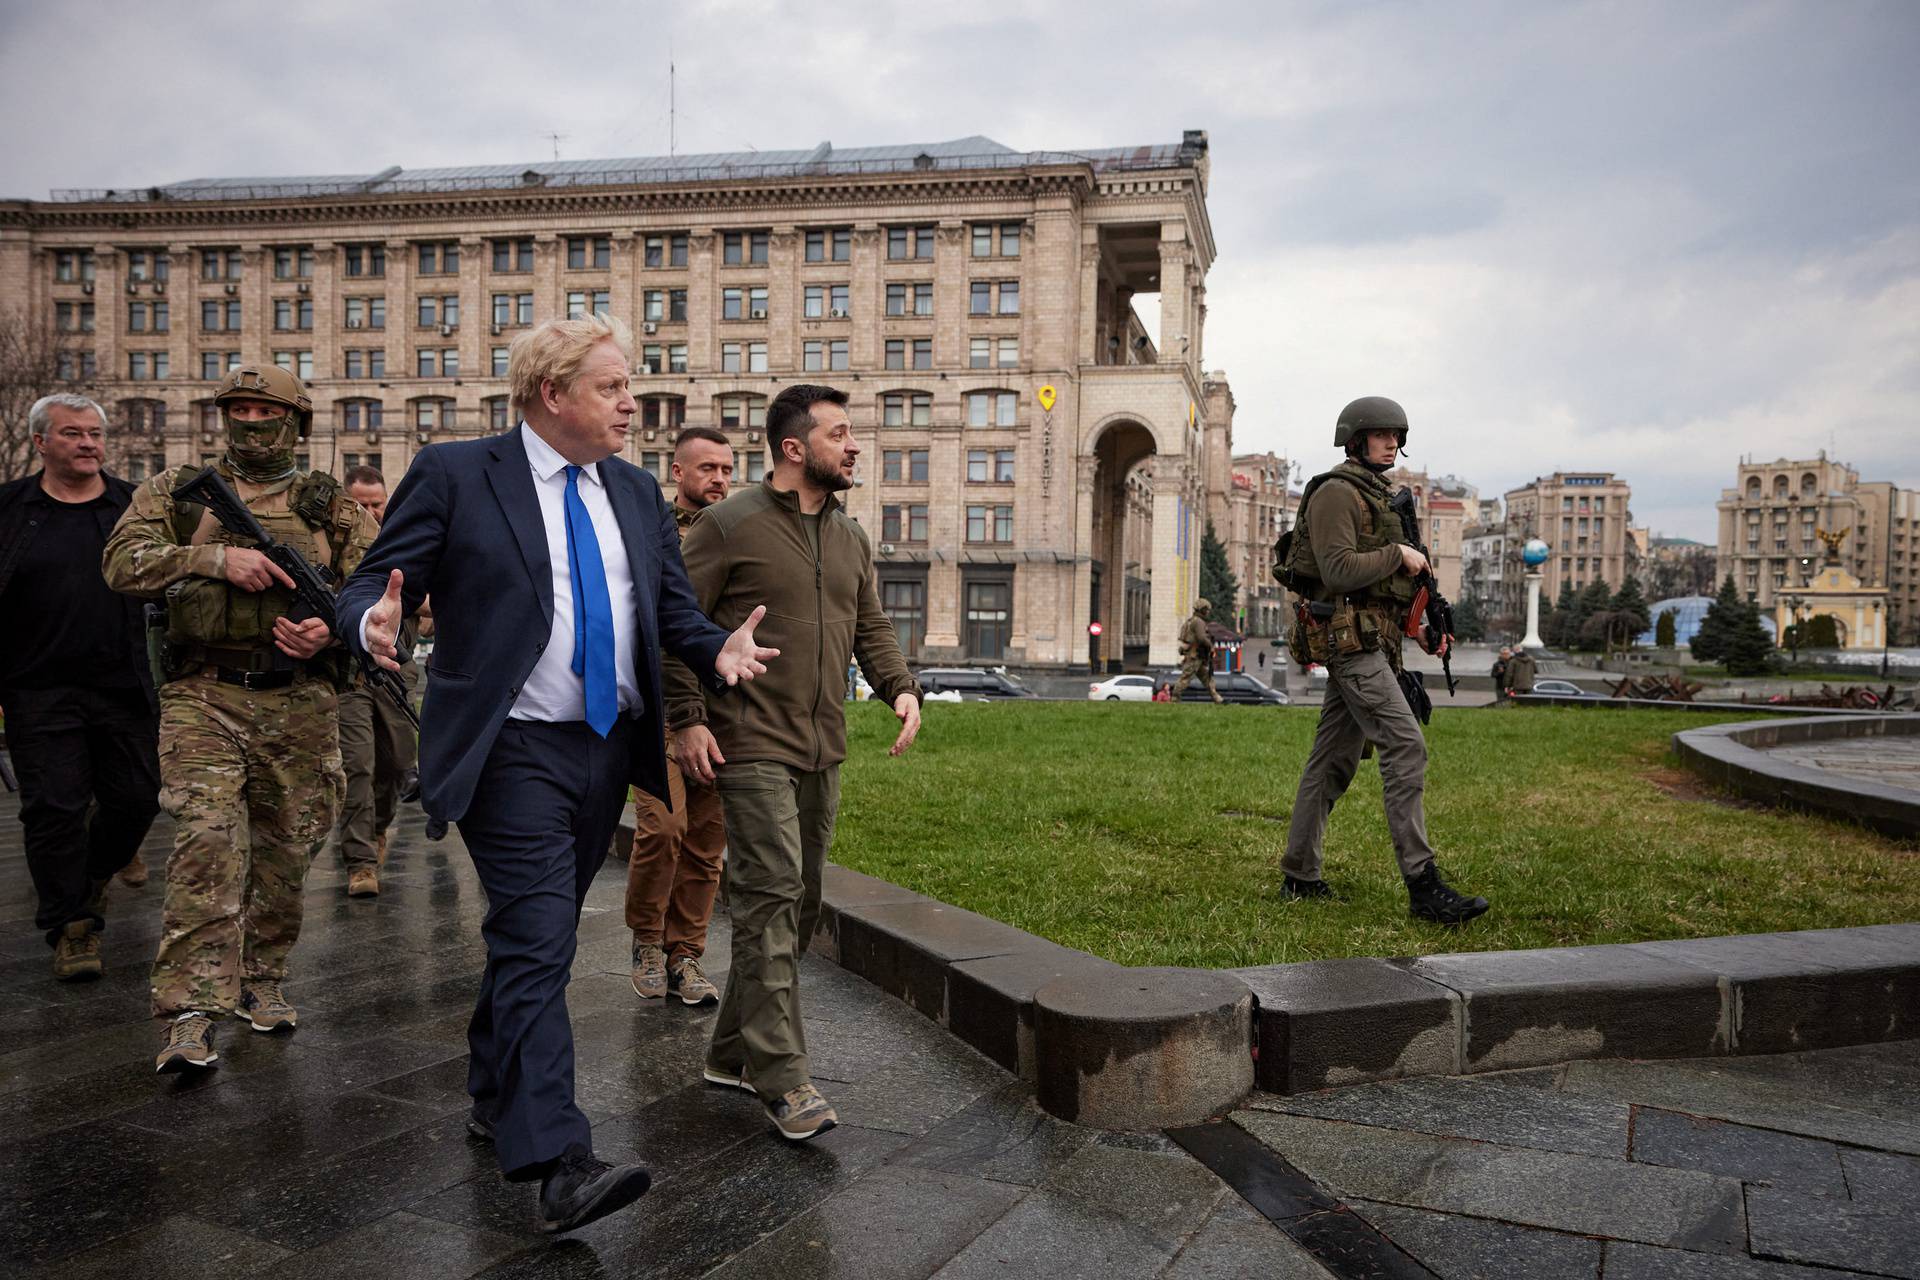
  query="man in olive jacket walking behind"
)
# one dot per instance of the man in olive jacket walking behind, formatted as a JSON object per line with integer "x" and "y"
{"x": 773, "y": 748}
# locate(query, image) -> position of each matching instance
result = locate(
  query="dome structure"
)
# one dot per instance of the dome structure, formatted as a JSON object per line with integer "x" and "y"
{"x": 1688, "y": 613}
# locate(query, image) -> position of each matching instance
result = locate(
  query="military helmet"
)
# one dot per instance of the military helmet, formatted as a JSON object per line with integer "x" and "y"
{"x": 1369, "y": 413}
{"x": 1202, "y": 606}
{"x": 266, "y": 382}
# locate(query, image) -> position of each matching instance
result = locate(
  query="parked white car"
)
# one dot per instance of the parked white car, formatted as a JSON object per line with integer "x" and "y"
{"x": 1122, "y": 689}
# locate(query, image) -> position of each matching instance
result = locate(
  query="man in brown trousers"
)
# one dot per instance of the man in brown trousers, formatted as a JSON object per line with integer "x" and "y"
{"x": 674, "y": 870}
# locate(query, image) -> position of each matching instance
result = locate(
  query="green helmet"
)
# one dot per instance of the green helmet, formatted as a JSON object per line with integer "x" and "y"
{"x": 263, "y": 450}
{"x": 1369, "y": 413}
{"x": 1203, "y": 606}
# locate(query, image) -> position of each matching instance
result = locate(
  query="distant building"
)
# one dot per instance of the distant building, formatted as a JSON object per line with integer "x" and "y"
{"x": 1442, "y": 517}
{"x": 1583, "y": 516}
{"x": 1679, "y": 567}
{"x": 1259, "y": 512}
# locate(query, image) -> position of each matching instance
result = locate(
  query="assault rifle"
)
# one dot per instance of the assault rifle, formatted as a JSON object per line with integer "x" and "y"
{"x": 6, "y": 775}
{"x": 1430, "y": 617}
{"x": 313, "y": 597}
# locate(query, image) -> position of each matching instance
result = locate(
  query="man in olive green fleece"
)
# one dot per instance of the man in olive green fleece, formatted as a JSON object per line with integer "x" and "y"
{"x": 773, "y": 748}
{"x": 1350, "y": 545}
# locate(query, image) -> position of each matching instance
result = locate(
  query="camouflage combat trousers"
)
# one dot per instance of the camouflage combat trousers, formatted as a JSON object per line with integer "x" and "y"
{"x": 1193, "y": 672}
{"x": 252, "y": 780}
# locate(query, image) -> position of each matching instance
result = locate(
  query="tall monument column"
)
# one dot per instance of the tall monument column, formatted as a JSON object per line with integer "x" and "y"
{"x": 1534, "y": 554}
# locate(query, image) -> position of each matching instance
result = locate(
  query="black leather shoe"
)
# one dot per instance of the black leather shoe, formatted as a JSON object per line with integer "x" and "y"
{"x": 1293, "y": 888}
{"x": 479, "y": 1126}
{"x": 410, "y": 787}
{"x": 580, "y": 1189}
{"x": 1430, "y": 898}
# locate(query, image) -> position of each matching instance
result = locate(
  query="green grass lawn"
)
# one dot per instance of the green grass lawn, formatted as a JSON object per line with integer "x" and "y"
{"x": 1151, "y": 834}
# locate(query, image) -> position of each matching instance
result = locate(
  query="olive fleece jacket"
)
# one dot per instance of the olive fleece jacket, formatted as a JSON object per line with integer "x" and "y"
{"x": 755, "y": 548}
{"x": 1335, "y": 516}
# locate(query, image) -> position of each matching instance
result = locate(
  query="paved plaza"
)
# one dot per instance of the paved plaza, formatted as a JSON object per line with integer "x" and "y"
{"x": 342, "y": 1150}
{"x": 1891, "y": 761}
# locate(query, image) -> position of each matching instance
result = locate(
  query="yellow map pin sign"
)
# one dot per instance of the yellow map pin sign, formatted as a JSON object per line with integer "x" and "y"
{"x": 1046, "y": 397}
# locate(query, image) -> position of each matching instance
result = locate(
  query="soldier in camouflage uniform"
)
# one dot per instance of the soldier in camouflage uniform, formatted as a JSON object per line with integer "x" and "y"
{"x": 1196, "y": 652}
{"x": 249, "y": 739}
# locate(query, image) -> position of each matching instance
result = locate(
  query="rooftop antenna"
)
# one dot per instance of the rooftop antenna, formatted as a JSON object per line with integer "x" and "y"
{"x": 557, "y": 138}
{"x": 672, "y": 114}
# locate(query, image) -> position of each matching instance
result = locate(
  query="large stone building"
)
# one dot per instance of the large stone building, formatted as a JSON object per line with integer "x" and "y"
{"x": 1771, "y": 519}
{"x": 975, "y": 300}
{"x": 1583, "y": 516}
{"x": 1260, "y": 508}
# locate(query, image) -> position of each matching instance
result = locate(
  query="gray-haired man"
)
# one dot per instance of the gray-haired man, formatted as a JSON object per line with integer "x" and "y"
{"x": 82, "y": 723}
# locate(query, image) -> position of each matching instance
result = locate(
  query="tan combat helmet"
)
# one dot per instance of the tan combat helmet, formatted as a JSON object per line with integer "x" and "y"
{"x": 1202, "y": 606}
{"x": 263, "y": 451}
{"x": 267, "y": 382}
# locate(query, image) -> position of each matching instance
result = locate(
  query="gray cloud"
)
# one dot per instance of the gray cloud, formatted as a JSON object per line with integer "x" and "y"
{"x": 1633, "y": 235}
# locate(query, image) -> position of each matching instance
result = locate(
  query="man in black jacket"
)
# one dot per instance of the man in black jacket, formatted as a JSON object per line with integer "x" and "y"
{"x": 80, "y": 710}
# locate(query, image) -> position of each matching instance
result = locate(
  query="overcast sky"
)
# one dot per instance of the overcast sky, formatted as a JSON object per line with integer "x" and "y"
{"x": 1644, "y": 237}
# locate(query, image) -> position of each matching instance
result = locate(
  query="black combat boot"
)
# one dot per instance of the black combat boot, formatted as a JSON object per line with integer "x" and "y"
{"x": 1430, "y": 898}
{"x": 1293, "y": 888}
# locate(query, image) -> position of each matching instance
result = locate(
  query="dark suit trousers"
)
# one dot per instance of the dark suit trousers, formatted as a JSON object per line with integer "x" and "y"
{"x": 549, "y": 798}
{"x": 89, "y": 789}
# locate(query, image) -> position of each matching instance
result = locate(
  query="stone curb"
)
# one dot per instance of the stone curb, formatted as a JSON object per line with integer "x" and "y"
{"x": 1122, "y": 1048}
{"x": 1734, "y": 756}
{"x": 1654, "y": 704}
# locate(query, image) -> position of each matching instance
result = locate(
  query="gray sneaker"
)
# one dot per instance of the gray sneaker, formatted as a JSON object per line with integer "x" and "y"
{"x": 801, "y": 1113}
{"x": 686, "y": 980}
{"x": 265, "y": 1007}
{"x": 649, "y": 971}
{"x": 729, "y": 1079}
{"x": 189, "y": 1044}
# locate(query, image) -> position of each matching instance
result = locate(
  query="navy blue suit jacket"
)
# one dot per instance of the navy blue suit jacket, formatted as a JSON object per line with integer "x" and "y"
{"x": 464, "y": 526}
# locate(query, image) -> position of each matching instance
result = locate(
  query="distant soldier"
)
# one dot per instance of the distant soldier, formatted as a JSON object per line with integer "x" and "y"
{"x": 1355, "y": 570}
{"x": 249, "y": 739}
{"x": 1520, "y": 674}
{"x": 1196, "y": 653}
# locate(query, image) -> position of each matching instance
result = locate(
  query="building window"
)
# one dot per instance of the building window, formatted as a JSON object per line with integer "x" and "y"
{"x": 219, "y": 264}
{"x": 147, "y": 317}
{"x": 980, "y": 298}
{"x": 293, "y": 262}
{"x": 990, "y": 466}
{"x": 71, "y": 265}
{"x": 826, "y": 302}
{"x": 513, "y": 255}
{"x": 743, "y": 357}
{"x": 663, "y": 413}
{"x": 1009, "y": 352}
{"x": 512, "y": 309}
{"x": 147, "y": 264}
{"x": 918, "y": 351}
{"x": 907, "y": 243}
{"x": 913, "y": 299}
{"x": 145, "y": 417}
{"x": 433, "y": 413}
{"x": 144, "y": 366}
{"x": 903, "y": 522}
{"x": 437, "y": 362}
{"x": 366, "y": 260}
{"x": 496, "y": 408}
{"x": 581, "y": 302}
{"x": 441, "y": 310}
{"x": 67, "y": 368}
{"x": 665, "y": 251}
{"x": 744, "y": 304}
{"x": 989, "y": 619}
{"x": 990, "y": 524}
{"x": 904, "y": 601}
{"x": 743, "y": 248}
{"x": 993, "y": 353}
{"x": 370, "y": 362}
{"x": 223, "y": 317}
{"x": 992, "y": 408}
{"x": 830, "y": 244}
{"x": 438, "y": 258}
{"x": 996, "y": 239}
{"x": 298, "y": 363}
{"x": 904, "y": 465}
{"x": 906, "y": 409}
{"x": 738, "y": 411}
{"x": 589, "y": 252}
{"x": 293, "y": 314}
{"x": 215, "y": 364}
{"x": 366, "y": 313}
{"x": 821, "y": 355}
{"x": 73, "y": 317}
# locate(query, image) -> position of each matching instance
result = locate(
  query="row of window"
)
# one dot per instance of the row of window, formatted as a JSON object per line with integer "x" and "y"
{"x": 984, "y": 466}
{"x": 907, "y": 522}
{"x": 583, "y": 253}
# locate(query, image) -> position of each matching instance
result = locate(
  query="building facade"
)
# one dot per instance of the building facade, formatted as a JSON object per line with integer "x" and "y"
{"x": 1772, "y": 519}
{"x": 973, "y": 299}
{"x": 1260, "y": 508}
{"x": 1583, "y": 516}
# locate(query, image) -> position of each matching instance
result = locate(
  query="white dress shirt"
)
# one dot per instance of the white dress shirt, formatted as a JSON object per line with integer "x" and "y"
{"x": 551, "y": 690}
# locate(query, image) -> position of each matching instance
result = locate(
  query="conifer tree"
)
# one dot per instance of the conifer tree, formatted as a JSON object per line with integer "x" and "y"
{"x": 1217, "y": 582}
{"x": 1710, "y": 642}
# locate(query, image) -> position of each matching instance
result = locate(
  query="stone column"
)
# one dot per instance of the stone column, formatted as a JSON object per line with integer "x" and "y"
{"x": 1533, "y": 640}
{"x": 1175, "y": 575}
{"x": 1176, "y": 300}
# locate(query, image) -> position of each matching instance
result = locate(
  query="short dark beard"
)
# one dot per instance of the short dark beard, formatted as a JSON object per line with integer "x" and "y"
{"x": 823, "y": 476}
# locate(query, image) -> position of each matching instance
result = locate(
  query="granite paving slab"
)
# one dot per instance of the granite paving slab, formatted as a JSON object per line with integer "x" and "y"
{"x": 1882, "y": 1180}
{"x": 1627, "y": 1261}
{"x": 179, "y": 1247}
{"x": 1487, "y": 1111}
{"x": 1796, "y": 1227}
{"x": 1461, "y": 1248}
{"x": 1678, "y": 1141}
{"x": 1228, "y": 1247}
{"x": 1532, "y": 1188}
{"x": 1004, "y": 1136}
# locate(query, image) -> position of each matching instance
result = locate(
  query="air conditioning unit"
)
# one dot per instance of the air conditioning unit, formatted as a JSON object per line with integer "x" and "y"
{"x": 424, "y": 437}
{"x": 495, "y": 330}
{"x": 133, "y": 286}
{"x": 232, "y": 289}
{"x": 886, "y": 548}
{"x": 648, "y": 327}
{"x": 373, "y": 437}
{"x": 838, "y": 313}
{"x": 758, "y": 313}
{"x": 353, "y": 324}
{"x": 753, "y": 437}
{"x": 159, "y": 286}
{"x": 446, "y": 331}
{"x": 87, "y": 288}
{"x": 304, "y": 287}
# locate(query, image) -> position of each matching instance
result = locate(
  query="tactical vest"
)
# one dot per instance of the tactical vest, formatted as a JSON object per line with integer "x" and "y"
{"x": 211, "y": 620}
{"x": 1380, "y": 529}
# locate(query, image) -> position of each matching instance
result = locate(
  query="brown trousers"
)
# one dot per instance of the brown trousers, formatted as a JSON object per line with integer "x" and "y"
{"x": 674, "y": 870}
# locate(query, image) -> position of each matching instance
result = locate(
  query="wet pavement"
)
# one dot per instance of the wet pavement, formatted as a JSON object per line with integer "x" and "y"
{"x": 1892, "y": 761}
{"x": 342, "y": 1150}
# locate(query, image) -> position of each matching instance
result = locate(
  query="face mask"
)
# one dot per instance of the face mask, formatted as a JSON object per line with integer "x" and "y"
{"x": 262, "y": 451}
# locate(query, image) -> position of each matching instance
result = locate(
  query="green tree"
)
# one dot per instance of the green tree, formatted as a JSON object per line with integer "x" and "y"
{"x": 1629, "y": 600}
{"x": 1663, "y": 630}
{"x": 1593, "y": 600}
{"x": 1710, "y": 642}
{"x": 1820, "y": 632}
{"x": 1217, "y": 582}
{"x": 1468, "y": 622}
{"x": 1553, "y": 622}
{"x": 1749, "y": 651}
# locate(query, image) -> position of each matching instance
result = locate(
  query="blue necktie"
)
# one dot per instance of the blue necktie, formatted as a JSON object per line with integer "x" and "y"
{"x": 592, "y": 613}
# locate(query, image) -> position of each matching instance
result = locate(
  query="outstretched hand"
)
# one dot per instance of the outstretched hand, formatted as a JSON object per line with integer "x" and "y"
{"x": 383, "y": 625}
{"x": 740, "y": 658}
{"x": 907, "y": 708}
